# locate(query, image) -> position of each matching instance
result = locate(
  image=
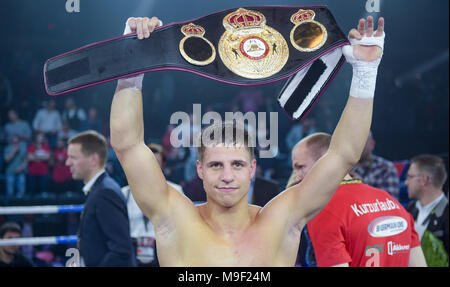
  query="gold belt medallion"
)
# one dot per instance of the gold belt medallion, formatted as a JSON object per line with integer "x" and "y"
{"x": 194, "y": 48}
{"x": 307, "y": 35}
{"x": 250, "y": 48}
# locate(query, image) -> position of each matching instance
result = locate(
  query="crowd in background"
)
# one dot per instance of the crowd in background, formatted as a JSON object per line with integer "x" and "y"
{"x": 33, "y": 148}
{"x": 34, "y": 151}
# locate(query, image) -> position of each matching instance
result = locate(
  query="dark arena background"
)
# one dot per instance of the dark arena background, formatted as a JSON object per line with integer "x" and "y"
{"x": 411, "y": 110}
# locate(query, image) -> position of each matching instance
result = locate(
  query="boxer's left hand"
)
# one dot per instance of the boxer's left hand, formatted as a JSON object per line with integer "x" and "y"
{"x": 364, "y": 52}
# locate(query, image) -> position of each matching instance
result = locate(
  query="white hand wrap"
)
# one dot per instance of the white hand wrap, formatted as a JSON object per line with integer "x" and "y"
{"x": 364, "y": 73}
{"x": 136, "y": 81}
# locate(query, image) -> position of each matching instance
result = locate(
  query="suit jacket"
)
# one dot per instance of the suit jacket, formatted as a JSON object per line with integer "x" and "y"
{"x": 438, "y": 219}
{"x": 104, "y": 233}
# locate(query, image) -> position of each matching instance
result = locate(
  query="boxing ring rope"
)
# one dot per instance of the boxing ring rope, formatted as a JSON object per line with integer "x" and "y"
{"x": 39, "y": 240}
{"x": 43, "y": 209}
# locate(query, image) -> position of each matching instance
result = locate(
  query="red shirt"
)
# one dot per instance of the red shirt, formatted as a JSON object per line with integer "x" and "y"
{"x": 363, "y": 226}
{"x": 38, "y": 167}
{"x": 61, "y": 172}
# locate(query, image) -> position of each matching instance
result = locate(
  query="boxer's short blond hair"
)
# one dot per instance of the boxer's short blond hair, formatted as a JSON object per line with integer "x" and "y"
{"x": 216, "y": 134}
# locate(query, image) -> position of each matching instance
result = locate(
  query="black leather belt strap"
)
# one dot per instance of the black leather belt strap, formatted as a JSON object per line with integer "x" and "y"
{"x": 309, "y": 72}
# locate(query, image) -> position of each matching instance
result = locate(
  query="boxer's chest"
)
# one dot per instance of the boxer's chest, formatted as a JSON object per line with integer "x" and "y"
{"x": 249, "y": 250}
{"x": 203, "y": 247}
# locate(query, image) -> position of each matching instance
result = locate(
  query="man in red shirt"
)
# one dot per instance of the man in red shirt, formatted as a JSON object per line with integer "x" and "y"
{"x": 361, "y": 226}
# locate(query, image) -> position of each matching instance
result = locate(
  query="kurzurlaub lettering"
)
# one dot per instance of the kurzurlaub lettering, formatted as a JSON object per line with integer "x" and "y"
{"x": 361, "y": 209}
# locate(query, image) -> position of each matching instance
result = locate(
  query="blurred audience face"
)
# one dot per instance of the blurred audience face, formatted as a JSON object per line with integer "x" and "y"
{"x": 302, "y": 161}
{"x": 92, "y": 113}
{"x": 69, "y": 104}
{"x": 40, "y": 138}
{"x": 14, "y": 140}
{"x": 414, "y": 182}
{"x": 226, "y": 172}
{"x": 12, "y": 115}
{"x": 60, "y": 143}
{"x": 65, "y": 126}
{"x": 81, "y": 166}
{"x": 11, "y": 249}
{"x": 51, "y": 105}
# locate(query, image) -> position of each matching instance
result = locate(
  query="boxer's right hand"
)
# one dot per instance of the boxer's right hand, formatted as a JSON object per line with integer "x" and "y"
{"x": 142, "y": 26}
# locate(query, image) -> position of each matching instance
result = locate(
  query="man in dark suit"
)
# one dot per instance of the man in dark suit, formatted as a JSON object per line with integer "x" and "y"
{"x": 104, "y": 232}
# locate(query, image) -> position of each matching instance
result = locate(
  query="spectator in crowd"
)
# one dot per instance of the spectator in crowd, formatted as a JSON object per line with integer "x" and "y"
{"x": 425, "y": 179}
{"x": 361, "y": 226}
{"x": 377, "y": 171}
{"x": 141, "y": 229}
{"x": 48, "y": 121}
{"x": 61, "y": 176}
{"x": 66, "y": 131}
{"x": 17, "y": 126}
{"x": 104, "y": 234}
{"x": 10, "y": 255}
{"x": 93, "y": 122}
{"x": 73, "y": 114}
{"x": 15, "y": 156}
{"x": 38, "y": 155}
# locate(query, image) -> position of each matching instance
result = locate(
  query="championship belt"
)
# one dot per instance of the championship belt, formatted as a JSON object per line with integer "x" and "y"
{"x": 245, "y": 46}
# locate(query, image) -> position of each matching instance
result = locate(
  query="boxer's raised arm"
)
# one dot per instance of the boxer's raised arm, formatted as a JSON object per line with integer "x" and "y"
{"x": 143, "y": 172}
{"x": 350, "y": 135}
{"x": 305, "y": 200}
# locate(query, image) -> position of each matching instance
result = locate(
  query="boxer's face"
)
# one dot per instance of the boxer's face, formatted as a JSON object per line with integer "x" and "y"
{"x": 226, "y": 172}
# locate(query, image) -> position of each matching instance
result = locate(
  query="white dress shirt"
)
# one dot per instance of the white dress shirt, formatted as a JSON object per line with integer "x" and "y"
{"x": 424, "y": 211}
{"x": 90, "y": 183}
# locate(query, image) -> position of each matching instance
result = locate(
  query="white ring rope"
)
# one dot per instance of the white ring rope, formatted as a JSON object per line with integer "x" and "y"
{"x": 42, "y": 209}
{"x": 39, "y": 240}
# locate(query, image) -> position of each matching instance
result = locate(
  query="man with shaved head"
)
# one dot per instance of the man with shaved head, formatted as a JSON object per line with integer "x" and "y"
{"x": 361, "y": 226}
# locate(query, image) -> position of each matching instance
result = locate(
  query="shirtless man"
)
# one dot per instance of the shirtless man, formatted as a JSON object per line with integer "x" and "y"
{"x": 227, "y": 231}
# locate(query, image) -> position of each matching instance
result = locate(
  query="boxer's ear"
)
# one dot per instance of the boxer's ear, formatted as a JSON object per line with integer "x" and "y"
{"x": 199, "y": 170}
{"x": 253, "y": 167}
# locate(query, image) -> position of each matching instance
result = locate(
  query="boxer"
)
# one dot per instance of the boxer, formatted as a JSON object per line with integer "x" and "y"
{"x": 226, "y": 230}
